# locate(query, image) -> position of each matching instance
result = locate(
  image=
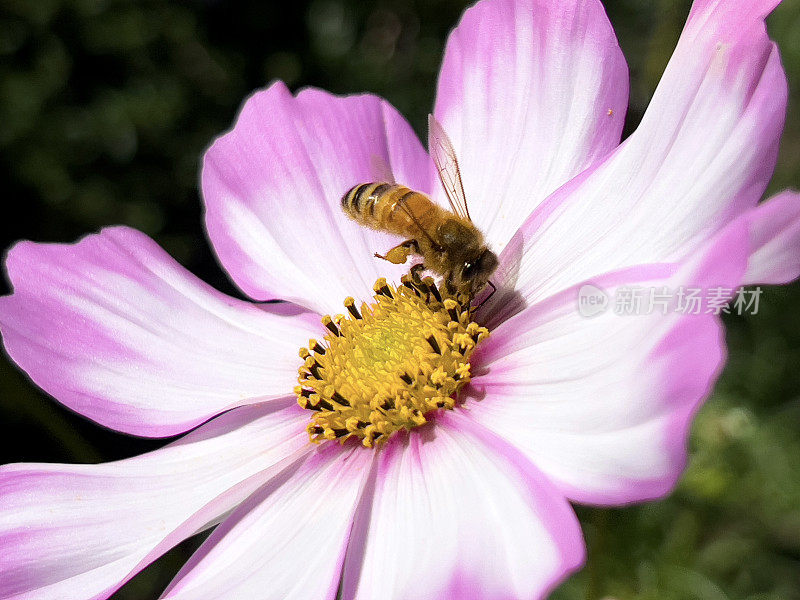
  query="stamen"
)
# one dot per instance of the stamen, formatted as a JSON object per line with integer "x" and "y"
{"x": 382, "y": 288}
{"x": 408, "y": 282}
{"x": 433, "y": 289}
{"x": 328, "y": 322}
{"x": 384, "y": 367}
{"x": 338, "y": 398}
{"x": 350, "y": 304}
{"x": 422, "y": 285}
{"x": 451, "y": 306}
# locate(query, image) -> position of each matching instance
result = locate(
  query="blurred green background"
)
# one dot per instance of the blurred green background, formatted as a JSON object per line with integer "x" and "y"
{"x": 106, "y": 107}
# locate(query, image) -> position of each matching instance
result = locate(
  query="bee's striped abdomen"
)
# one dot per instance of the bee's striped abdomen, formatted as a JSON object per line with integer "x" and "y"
{"x": 372, "y": 204}
{"x": 360, "y": 202}
{"x": 392, "y": 208}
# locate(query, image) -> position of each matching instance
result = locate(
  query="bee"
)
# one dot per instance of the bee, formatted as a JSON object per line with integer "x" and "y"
{"x": 448, "y": 241}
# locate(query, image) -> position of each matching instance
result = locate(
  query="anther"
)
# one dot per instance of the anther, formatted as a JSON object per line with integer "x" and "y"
{"x": 409, "y": 283}
{"x": 434, "y": 344}
{"x": 314, "y": 370}
{"x": 324, "y": 405}
{"x": 422, "y": 286}
{"x": 407, "y": 378}
{"x": 452, "y": 309}
{"x": 316, "y": 346}
{"x": 435, "y": 291}
{"x": 382, "y": 288}
{"x": 328, "y": 322}
{"x": 350, "y": 304}
{"x": 305, "y": 403}
{"x": 336, "y": 396}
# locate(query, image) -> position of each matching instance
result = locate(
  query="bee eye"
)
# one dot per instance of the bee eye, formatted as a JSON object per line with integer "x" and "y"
{"x": 469, "y": 269}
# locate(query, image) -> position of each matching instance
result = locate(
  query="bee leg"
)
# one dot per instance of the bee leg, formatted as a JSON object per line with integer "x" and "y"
{"x": 415, "y": 273}
{"x": 450, "y": 285}
{"x": 399, "y": 254}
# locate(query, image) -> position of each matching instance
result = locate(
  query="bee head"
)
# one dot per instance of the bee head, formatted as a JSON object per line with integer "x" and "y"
{"x": 476, "y": 272}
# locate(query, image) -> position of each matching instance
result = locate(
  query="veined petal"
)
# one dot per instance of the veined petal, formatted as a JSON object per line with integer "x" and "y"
{"x": 118, "y": 331}
{"x": 286, "y": 542}
{"x": 73, "y": 532}
{"x": 702, "y": 155}
{"x": 272, "y": 188}
{"x": 602, "y": 404}
{"x": 459, "y": 514}
{"x": 531, "y": 93}
{"x": 774, "y": 240}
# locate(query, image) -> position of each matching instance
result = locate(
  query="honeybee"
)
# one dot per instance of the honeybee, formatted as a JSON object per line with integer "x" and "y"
{"x": 448, "y": 242}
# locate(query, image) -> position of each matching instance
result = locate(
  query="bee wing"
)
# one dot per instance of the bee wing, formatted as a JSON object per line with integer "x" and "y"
{"x": 407, "y": 209}
{"x": 383, "y": 173}
{"x": 381, "y": 169}
{"x": 444, "y": 157}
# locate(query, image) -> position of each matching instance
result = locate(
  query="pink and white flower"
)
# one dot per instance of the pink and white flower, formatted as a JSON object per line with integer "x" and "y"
{"x": 560, "y": 408}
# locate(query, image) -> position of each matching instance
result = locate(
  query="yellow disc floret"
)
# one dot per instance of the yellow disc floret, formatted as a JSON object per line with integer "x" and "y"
{"x": 384, "y": 367}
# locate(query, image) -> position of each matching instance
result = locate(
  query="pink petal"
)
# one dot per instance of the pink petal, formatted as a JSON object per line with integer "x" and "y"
{"x": 702, "y": 155}
{"x": 459, "y": 514}
{"x": 531, "y": 93}
{"x": 602, "y": 404}
{"x": 288, "y": 540}
{"x": 273, "y": 184}
{"x": 775, "y": 240}
{"x": 118, "y": 331}
{"x": 80, "y": 531}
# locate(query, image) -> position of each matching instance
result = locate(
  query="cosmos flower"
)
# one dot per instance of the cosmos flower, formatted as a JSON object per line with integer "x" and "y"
{"x": 466, "y": 501}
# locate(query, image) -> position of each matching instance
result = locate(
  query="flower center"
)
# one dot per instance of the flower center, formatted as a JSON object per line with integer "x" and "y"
{"x": 384, "y": 367}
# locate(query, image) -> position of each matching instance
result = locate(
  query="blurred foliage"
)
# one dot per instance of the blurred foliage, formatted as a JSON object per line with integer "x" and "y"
{"x": 106, "y": 107}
